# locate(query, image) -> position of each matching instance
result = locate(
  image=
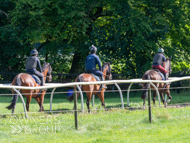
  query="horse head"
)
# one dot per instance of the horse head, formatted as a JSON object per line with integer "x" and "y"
{"x": 106, "y": 68}
{"x": 47, "y": 67}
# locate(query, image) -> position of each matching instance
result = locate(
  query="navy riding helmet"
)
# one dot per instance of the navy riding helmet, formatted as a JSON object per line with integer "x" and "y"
{"x": 34, "y": 52}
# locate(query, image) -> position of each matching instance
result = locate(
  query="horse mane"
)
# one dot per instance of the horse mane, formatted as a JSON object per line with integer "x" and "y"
{"x": 105, "y": 65}
{"x": 168, "y": 59}
{"x": 45, "y": 66}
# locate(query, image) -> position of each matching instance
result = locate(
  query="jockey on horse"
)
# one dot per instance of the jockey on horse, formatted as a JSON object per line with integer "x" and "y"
{"x": 158, "y": 60}
{"x": 90, "y": 63}
{"x": 32, "y": 63}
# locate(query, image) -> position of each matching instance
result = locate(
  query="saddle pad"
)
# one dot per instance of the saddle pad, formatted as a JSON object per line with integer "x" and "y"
{"x": 36, "y": 78}
{"x": 161, "y": 74}
{"x": 95, "y": 76}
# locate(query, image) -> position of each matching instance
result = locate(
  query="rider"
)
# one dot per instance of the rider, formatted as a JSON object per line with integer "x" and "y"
{"x": 90, "y": 63}
{"x": 158, "y": 59}
{"x": 32, "y": 63}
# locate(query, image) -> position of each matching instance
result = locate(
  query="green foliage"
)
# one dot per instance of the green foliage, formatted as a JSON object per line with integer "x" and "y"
{"x": 128, "y": 33}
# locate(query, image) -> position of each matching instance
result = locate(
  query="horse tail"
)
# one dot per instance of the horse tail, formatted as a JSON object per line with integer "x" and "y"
{"x": 79, "y": 79}
{"x": 145, "y": 86}
{"x": 15, "y": 96}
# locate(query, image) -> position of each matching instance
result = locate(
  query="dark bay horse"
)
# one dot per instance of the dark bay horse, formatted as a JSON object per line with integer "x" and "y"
{"x": 162, "y": 87}
{"x": 24, "y": 79}
{"x": 93, "y": 89}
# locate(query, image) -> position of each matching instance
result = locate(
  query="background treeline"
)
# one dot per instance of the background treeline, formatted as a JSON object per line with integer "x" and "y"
{"x": 126, "y": 32}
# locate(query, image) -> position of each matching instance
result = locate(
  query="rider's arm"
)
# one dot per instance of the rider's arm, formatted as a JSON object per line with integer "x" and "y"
{"x": 39, "y": 65}
{"x": 99, "y": 63}
{"x": 164, "y": 61}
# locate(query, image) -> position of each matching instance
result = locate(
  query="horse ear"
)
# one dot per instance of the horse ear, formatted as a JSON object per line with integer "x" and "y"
{"x": 170, "y": 58}
{"x": 51, "y": 63}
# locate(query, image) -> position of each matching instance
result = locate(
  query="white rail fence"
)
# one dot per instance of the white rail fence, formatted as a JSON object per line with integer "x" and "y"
{"x": 54, "y": 86}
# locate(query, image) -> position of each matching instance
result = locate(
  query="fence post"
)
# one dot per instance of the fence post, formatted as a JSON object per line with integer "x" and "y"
{"x": 75, "y": 110}
{"x": 149, "y": 106}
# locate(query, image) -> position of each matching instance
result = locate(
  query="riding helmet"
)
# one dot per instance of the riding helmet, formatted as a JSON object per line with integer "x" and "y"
{"x": 160, "y": 50}
{"x": 93, "y": 48}
{"x": 34, "y": 52}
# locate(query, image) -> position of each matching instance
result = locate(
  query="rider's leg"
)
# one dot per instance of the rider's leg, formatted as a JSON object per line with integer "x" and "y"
{"x": 41, "y": 76}
{"x": 161, "y": 69}
{"x": 165, "y": 76}
{"x": 99, "y": 73}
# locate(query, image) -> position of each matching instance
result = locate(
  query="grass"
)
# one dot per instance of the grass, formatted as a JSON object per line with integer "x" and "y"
{"x": 114, "y": 125}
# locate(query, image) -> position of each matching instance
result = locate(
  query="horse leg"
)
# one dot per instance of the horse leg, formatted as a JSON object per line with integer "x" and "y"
{"x": 170, "y": 98}
{"x": 163, "y": 101}
{"x": 38, "y": 101}
{"x": 42, "y": 101}
{"x": 101, "y": 97}
{"x": 154, "y": 96}
{"x": 28, "y": 100}
{"x": 89, "y": 96}
{"x": 144, "y": 103}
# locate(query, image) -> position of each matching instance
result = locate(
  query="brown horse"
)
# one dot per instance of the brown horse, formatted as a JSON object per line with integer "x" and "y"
{"x": 95, "y": 88}
{"x": 163, "y": 88}
{"x": 24, "y": 79}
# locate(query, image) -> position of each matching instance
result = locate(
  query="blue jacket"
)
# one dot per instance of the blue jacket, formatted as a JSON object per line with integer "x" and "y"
{"x": 91, "y": 61}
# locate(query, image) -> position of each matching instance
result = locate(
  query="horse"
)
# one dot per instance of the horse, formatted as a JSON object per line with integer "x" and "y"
{"x": 24, "y": 79}
{"x": 163, "y": 87}
{"x": 94, "y": 89}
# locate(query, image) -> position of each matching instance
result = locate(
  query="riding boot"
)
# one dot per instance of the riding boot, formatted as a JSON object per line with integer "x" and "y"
{"x": 165, "y": 76}
{"x": 42, "y": 84}
{"x": 103, "y": 85}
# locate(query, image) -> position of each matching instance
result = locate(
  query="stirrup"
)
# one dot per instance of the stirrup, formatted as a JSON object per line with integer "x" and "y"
{"x": 45, "y": 89}
{"x": 104, "y": 87}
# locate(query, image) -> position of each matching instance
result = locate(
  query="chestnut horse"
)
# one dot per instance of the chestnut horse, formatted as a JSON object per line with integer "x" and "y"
{"x": 24, "y": 79}
{"x": 95, "y": 88}
{"x": 162, "y": 87}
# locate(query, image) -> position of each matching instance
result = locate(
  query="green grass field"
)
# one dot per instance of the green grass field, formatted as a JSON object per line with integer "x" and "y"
{"x": 114, "y": 125}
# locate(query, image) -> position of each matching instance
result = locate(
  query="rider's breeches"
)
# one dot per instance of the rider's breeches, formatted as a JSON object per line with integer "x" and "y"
{"x": 39, "y": 74}
{"x": 160, "y": 68}
{"x": 98, "y": 73}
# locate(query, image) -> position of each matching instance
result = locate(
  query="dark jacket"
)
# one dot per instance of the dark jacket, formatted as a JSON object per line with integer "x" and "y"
{"x": 158, "y": 59}
{"x": 91, "y": 61}
{"x": 32, "y": 63}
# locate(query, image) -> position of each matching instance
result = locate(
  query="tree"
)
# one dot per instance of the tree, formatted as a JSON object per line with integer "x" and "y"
{"x": 127, "y": 32}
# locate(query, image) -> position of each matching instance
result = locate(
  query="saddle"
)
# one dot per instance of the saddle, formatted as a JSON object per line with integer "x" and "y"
{"x": 160, "y": 73}
{"x": 95, "y": 76}
{"x": 36, "y": 78}
{"x": 97, "y": 79}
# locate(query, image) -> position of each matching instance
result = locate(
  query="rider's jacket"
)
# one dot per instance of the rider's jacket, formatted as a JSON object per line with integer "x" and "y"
{"x": 32, "y": 63}
{"x": 158, "y": 59}
{"x": 91, "y": 61}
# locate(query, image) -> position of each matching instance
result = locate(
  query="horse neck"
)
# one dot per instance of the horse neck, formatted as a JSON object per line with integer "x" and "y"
{"x": 168, "y": 68}
{"x": 104, "y": 72}
{"x": 45, "y": 73}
